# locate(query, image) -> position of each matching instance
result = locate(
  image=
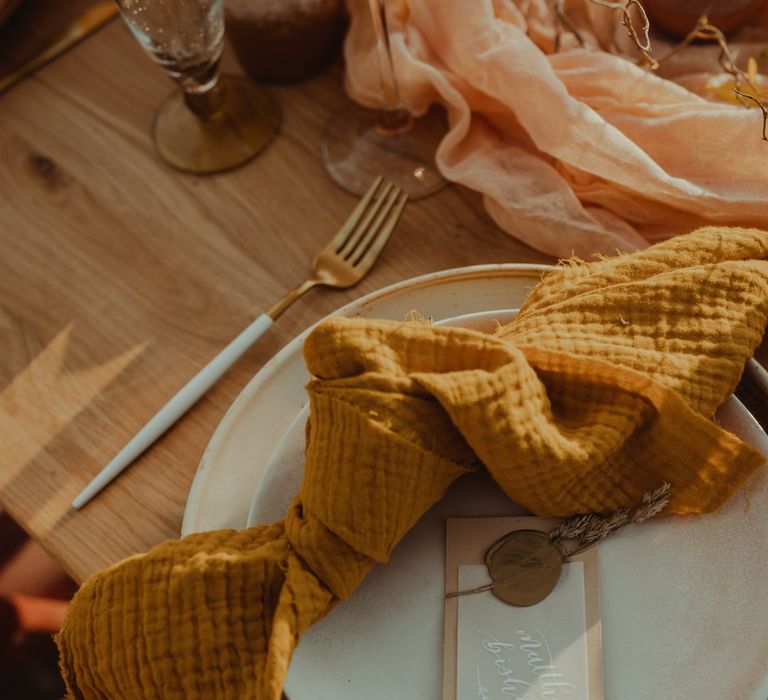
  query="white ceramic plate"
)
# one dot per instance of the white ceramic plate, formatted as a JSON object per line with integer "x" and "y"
{"x": 242, "y": 444}
{"x": 665, "y": 587}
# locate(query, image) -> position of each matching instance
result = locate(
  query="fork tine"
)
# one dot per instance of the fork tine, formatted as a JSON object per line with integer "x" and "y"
{"x": 353, "y": 241}
{"x": 376, "y": 245}
{"x": 337, "y": 242}
{"x": 368, "y": 235}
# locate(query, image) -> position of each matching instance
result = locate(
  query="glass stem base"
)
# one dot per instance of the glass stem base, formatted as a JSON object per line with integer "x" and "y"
{"x": 218, "y": 129}
{"x": 359, "y": 145}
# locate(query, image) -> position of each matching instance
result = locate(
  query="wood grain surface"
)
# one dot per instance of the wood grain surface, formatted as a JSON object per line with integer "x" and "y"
{"x": 119, "y": 278}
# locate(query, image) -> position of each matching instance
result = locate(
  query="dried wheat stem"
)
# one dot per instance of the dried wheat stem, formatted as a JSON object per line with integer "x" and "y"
{"x": 588, "y": 529}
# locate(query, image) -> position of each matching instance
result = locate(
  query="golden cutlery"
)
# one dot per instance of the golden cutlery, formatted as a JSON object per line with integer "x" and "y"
{"x": 342, "y": 263}
{"x": 349, "y": 255}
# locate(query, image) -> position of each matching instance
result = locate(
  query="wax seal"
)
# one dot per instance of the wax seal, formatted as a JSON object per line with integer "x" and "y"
{"x": 525, "y": 567}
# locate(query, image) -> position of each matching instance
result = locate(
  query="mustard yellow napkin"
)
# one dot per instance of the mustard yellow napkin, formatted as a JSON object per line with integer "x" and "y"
{"x": 601, "y": 389}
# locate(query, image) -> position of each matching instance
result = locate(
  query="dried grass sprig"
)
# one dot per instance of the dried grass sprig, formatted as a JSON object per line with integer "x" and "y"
{"x": 759, "y": 104}
{"x": 653, "y": 503}
{"x": 704, "y": 31}
{"x": 588, "y": 529}
{"x": 639, "y": 35}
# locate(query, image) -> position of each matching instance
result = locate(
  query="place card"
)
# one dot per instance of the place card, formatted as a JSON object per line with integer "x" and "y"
{"x": 494, "y": 651}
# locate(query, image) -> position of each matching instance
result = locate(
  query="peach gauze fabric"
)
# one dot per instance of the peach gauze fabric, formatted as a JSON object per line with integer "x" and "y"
{"x": 576, "y": 152}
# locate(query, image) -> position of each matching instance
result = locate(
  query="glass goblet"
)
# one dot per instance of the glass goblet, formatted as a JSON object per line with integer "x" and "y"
{"x": 359, "y": 144}
{"x": 215, "y": 122}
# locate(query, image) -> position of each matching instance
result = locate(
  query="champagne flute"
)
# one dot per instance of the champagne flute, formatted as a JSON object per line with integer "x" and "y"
{"x": 358, "y": 145}
{"x": 214, "y": 123}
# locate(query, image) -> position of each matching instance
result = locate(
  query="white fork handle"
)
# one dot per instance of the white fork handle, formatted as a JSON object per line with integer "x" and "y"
{"x": 175, "y": 408}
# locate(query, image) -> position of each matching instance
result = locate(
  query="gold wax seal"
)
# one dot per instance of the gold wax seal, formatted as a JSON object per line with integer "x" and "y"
{"x": 525, "y": 567}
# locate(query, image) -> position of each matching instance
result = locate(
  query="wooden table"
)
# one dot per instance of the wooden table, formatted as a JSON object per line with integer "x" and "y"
{"x": 119, "y": 278}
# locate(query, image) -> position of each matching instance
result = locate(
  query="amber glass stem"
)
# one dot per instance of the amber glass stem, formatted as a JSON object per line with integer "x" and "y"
{"x": 203, "y": 91}
{"x": 208, "y": 103}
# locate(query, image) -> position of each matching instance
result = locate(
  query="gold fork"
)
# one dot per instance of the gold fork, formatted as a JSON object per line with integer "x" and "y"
{"x": 346, "y": 259}
{"x": 353, "y": 250}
